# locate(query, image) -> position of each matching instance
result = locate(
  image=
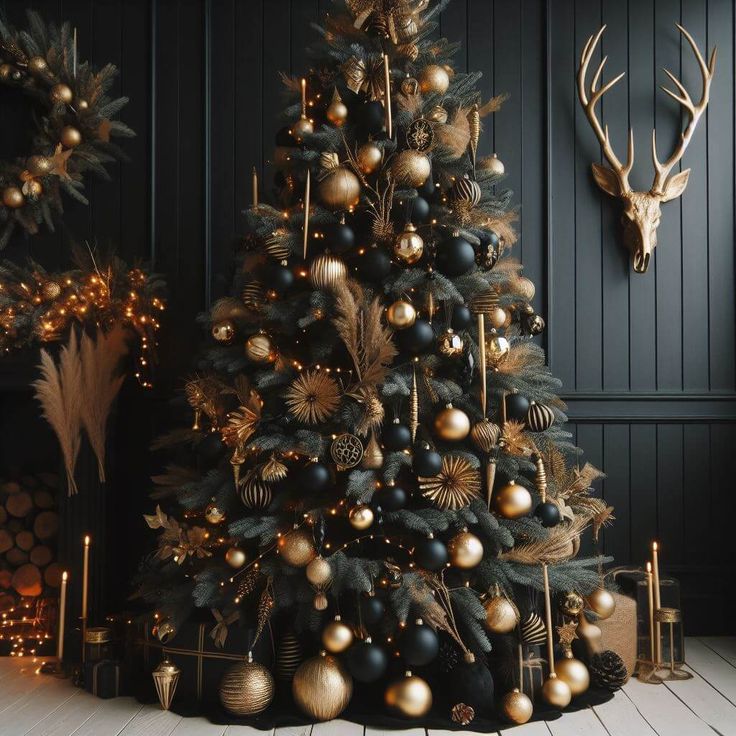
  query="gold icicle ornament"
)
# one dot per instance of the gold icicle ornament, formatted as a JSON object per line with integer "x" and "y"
{"x": 474, "y": 128}
{"x": 414, "y": 404}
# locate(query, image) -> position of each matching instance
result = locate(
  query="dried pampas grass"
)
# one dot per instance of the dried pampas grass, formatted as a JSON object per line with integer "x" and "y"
{"x": 453, "y": 138}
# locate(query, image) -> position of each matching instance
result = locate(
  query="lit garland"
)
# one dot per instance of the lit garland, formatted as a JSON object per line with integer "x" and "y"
{"x": 38, "y": 307}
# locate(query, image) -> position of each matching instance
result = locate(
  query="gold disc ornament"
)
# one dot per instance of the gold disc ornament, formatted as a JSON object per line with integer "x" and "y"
{"x": 260, "y": 348}
{"x": 409, "y": 246}
{"x": 327, "y": 272}
{"x": 322, "y": 687}
{"x": 401, "y": 314}
{"x": 337, "y": 636}
{"x": 410, "y": 168}
{"x": 517, "y": 707}
{"x": 602, "y": 603}
{"x": 502, "y": 616}
{"x": 337, "y": 111}
{"x": 420, "y": 135}
{"x": 319, "y": 571}
{"x": 434, "y": 79}
{"x": 454, "y": 487}
{"x": 465, "y": 550}
{"x": 512, "y": 501}
{"x": 573, "y": 672}
{"x": 297, "y": 547}
{"x": 369, "y": 158}
{"x": 410, "y": 697}
{"x": 452, "y": 424}
{"x": 361, "y": 517}
{"x": 247, "y": 688}
{"x": 346, "y": 450}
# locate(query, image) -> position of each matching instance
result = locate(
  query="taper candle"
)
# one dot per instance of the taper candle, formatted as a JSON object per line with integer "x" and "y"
{"x": 657, "y": 601}
{"x": 74, "y": 54}
{"x": 85, "y": 590}
{"x": 304, "y": 97}
{"x": 62, "y": 618}
{"x": 255, "y": 187}
{"x": 650, "y": 593}
{"x": 387, "y": 96}
{"x": 307, "y": 193}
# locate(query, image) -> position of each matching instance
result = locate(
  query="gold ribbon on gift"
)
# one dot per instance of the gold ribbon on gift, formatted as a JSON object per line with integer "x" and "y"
{"x": 219, "y": 630}
{"x": 95, "y": 667}
{"x": 364, "y": 76}
{"x": 528, "y": 665}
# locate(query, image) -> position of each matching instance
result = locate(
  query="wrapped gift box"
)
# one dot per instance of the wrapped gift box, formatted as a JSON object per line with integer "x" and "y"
{"x": 103, "y": 678}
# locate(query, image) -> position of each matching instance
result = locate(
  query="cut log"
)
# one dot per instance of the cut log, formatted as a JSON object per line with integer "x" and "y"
{"x": 49, "y": 479}
{"x": 46, "y": 525}
{"x": 6, "y": 578}
{"x": 16, "y": 557}
{"x": 6, "y": 540}
{"x": 10, "y": 486}
{"x": 29, "y": 482}
{"x": 19, "y": 504}
{"x": 52, "y": 575}
{"x": 3, "y": 515}
{"x": 27, "y": 580}
{"x": 41, "y": 555}
{"x": 43, "y": 500}
{"x": 25, "y": 540}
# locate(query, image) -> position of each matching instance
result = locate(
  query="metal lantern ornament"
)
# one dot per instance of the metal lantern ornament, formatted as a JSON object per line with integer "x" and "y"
{"x": 166, "y": 678}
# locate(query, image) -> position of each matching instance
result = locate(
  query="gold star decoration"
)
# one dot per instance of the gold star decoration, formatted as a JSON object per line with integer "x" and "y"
{"x": 59, "y": 162}
{"x": 567, "y": 634}
{"x": 454, "y": 487}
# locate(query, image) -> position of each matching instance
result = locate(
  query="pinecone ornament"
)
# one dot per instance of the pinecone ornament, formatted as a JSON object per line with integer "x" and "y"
{"x": 463, "y": 714}
{"x": 607, "y": 671}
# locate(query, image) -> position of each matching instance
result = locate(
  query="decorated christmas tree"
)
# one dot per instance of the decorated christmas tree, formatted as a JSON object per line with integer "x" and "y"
{"x": 377, "y": 465}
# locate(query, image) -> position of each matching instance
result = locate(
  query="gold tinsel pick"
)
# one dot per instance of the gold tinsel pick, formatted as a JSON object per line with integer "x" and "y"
{"x": 313, "y": 397}
{"x": 602, "y": 519}
{"x": 513, "y": 440}
{"x": 456, "y": 485}
{"x": 265, "y": 608}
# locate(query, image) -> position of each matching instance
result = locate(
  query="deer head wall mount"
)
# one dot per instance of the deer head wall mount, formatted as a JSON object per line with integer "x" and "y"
{"x": 641, "y": 213}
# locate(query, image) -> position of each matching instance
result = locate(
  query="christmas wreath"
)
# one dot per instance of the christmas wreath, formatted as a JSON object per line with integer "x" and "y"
{"x": 73, "y": 123}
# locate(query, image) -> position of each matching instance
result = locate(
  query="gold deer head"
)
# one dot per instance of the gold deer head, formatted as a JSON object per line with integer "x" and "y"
{"x": 641, "y": 213}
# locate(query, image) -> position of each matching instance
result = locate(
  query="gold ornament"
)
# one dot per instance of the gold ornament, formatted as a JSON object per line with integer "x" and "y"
{"x": 420, "y": 135}
{"x": 532, "y": 629}
{"x": 247, "y": 688}
{"x": 539, "y": 417}
{"x": 337, "y": 112}
{"x": 494, "y": 165}
{"x": 166, "y": 678}
{"x": 13, "y": 198}
{"x": 452, "y": 424}
{"x": 474, "y": 130}
{"x": 517, "y": 707}
{"x": 39, "y": 165}
{"x": 7, "y": 72}
{"x": 301, "y": 128}
{"x": 327, "y": 272}
{"x": 502, "y": 616}
{"x": 589, "y": 634}
{"x": 313, "y": 397}
{"x": 462, "y": 714}
{"x": 556, "y": 692}
{"x": 450, "y": 344}
{"x": 214, "y": 514}
{"x": 498, "y": 318}
{"x": 260, "y": 348}
{"x": 361, "y": 517}
{"x": 51, "y": 290}
{"x": 602, "y": 603}
{"x": 322, "y": 687}
{"x": 165, "y": 631}
{"x": 297, "y": 547}
{"x": 235, "y": 557}
{"x": 32, "y": 188}
{"x": 273, "y": 470}
{"x": 571, "y": 604}
{"x": 70, "y": 137}
{"x": 320, "y": 602}
{"x": 319, "y": 571}
{"x": 255, "y": 493}
{"x": 438, "y": 114}
{"x": 365, "y": 76}
{"x": 512, "y": 501}
{"x": 337, "y": 636}
{"x": 410, "y": 168}
{"x": 410, "y": 696}
{"x": 454, "y": 487}
{"x": 401, "y": 314}
{"x": 369, "y": 157}
{"x": 485, "y": 435}
{"x": 373, "y": 455}
{"x": 409, "y": 246}
{"x": 223, "y": 331}
{"x": 434, "y": 79}
{"x": 497, "y": 349}
{"x": 61, "y": 94}
{"x": 346, "y": 450}
{"x": 414, "y": 404}
{"x": 339, "y": 188}
{"x": 525, "y": 288}
{"x": 465, "y": 550}
{"x": 288, "y": 657}
{"x": 573, "y": 672}
{"x": 37, "y": 65}
{"x": 84, "y": 105}
{"x": 409, "y": 86}
{"x": 467, "y": 191}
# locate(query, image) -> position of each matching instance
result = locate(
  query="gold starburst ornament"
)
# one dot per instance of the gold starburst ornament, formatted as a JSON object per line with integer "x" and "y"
{"x": 313, "y": 397}
{"x": 454, "y": 487}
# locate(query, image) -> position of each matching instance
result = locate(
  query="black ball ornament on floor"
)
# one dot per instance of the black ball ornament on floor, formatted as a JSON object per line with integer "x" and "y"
{"x": 418, "y": 644}
{"x": 517, "y": 407}
{"x": 396, "y": 436}
{"x": 471, "y": 682}
{"x": 548, "y": 514}
{"x": 455, "y": 256}
{"x": 366, "y": 661}
{"x": 427, "y": 462}
{"x": 431, "y": 554}
{"x": 418, "y": 338}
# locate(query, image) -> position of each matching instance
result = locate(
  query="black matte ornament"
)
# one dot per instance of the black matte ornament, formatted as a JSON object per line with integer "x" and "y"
{"x": 417, "y": 338}
{"x": 426, "y": 462}
{"x": 339, "y": 237}
{"x": 371, "y": 117}
{"x": 455, "y": 256}
{"x": 516, "y": 407}
{"x": 285, "y": 138}
{"x": 366, "y": 661}
{"x": 211, "y": 447}
{"x": 548, "y": 514}
{"x": 390, "y": 498}
{"x": 314, "y": 478}
{"x": 396, "y": 436}
{"x": 420, "y": 211}
{"x": 427, "y": 189}
{"x": 372, "y": 609}
{"x": 431, "y": 554}
{"x": 461, "y": 317}
{"x": 278, "y": 278}
{"x": 374, "y": 265}
{"x": 471, "y": 683}
{"x": 419, "y": 644}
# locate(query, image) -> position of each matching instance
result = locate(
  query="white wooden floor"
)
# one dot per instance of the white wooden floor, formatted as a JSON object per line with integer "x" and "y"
{"x": 36, "y": 705}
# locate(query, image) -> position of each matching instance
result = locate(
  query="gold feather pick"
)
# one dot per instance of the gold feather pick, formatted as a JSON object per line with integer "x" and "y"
{"x": 555, "y": 548}
{"x": 265, "y": 608}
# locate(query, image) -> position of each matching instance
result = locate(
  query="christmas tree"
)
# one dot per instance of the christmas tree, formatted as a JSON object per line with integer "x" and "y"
{"x": 377, "y": 463}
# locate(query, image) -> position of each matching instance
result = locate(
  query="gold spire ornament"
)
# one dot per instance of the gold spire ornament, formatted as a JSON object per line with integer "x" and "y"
{"x": 555, "y": 691}
{"x": 373, "y": 455}
{"x": 166, "y": 678}
{"x": 307, "y": 196}
{"x": 387, "y": 96}
{"x": 454, "y": 487}
{"x": 414, "y": 404}
{"x": 474, "y": 128}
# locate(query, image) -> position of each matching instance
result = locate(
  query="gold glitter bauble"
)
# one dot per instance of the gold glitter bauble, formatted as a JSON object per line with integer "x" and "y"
{"x": 502, "y": 616}
{"x": 337, "y": 636}
{"x": 322, "y": 687}
{"x": 51, "y": 290}
{"x": 61, "y": 94}
{"x": 602, "y": 603}
{"x": 574, "y": 673}
{"x": 70, "y": 136}
{"x": 297, "y": 547}
{"x": 556, "y": 692}
{"x": 361, "y": 517}
{"x": 525, "y": 288}
{"x": 517, "y": 707}
{"x": 571, "y": 604}
{"x": 452, "y": 424}
{"x": 401, "y": 314}
{"x": 512, "y": 501}
{"x": 411, "y": 168}
{"x": 235, "y": 557}
{"x": 454, "y": 487}
{"x": 319, "y": 571}
{"x": 409, "y": 246}
{"x": 339, "y": 189}
{"x": 465, "y": 550}
{"x": 434, "y": 79}
{"x": 260, "y": 348}
{"x": 13, "y": 198}
{"x": 369, "y": 157}
{"x": 327, "y": 272}
{"x": 410, "y": 696}
{"x": 39, "y": 165}
{"x": 247, "y": 688}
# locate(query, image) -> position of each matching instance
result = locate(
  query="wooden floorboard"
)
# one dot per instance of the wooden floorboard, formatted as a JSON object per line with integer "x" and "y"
{"x": 714, "y": 669}
{"x": 579, "y": 723}
{"x": 621, "y": 717}
{"x": 538, "y": 728}
{"x": 725, "y": 646}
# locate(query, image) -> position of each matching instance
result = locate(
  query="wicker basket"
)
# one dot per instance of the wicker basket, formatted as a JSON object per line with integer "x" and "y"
{"x": 619, "y": 631}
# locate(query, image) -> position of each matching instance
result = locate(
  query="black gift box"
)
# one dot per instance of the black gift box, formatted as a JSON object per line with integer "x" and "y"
{"x": 103, "y": 678}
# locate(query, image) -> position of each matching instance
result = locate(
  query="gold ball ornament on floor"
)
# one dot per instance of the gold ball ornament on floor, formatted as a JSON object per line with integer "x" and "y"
{"x": 327, "y": 272}
{"x": 297, "y": 547}
{"x": 602, "y": 603}
{"x": 235, "y": 557}
{"x": 411, "y": 168}
{"x": 337, "y": 112}
{"x": 339, "y": 189}
{"x": 13, "y": 198}
{"x": 70, "y": 136}
{"x": 573, "y": 672}
{"x": 319, "y": 571}
{"x": 260, "y": 348}
{"x": 434, "y": 79}
{"x": 517, "y": 707}
{"x": 322, "y": 687}
{"x": 401, "y": 314}
{"x": 512, "y": 501}
{"x": 556, "y": 692}
{"x": 409, "y": 246}
{"x": 247, "y": 688}
{"x": 452, "y": 424}
{"x": 369, "y": 157}
{"x": 410, "y": 696}
{"x": 465, "y": 550}
{"x": 61, "y": 94}
{"x": 361, "y": 517}
{"x": 337, "y": 636}
{"x": 502, "y": 616}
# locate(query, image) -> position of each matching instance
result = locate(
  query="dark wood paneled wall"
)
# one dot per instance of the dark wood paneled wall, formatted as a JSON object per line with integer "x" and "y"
{"x": 648, "y": 362}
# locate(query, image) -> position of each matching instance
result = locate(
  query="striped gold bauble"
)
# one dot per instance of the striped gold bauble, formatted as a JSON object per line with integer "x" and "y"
{"x": 289, "y": 656}
{"x": 327, "y": 272}
{"x": 247, "y": 688}
{"x": 485, "y": 435}
{"x": 466, "y": 190}
{"x": 532, "y": 629}
{"x": 254, "y": 492}
{"x": 539, "y": 418}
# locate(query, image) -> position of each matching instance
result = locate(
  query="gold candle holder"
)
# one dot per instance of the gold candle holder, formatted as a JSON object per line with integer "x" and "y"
{"x": 670, "y": 617}
{"x": 646, "y": 669}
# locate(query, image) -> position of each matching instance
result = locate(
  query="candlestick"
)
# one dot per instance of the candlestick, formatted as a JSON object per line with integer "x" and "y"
{"x": 650, "y": 593}
{"x": 657, "y": 603}
{"x": 307, "y": 192}
{"x": 85, "y": 590}
{"x": 482, "y": 350}
{"x": 74, "y": 54}
{"x": 387, "y": 96}
{"x": 304, "y": 97}
{"x": 255, "y": 187}
{"x": 62, "y": 619}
